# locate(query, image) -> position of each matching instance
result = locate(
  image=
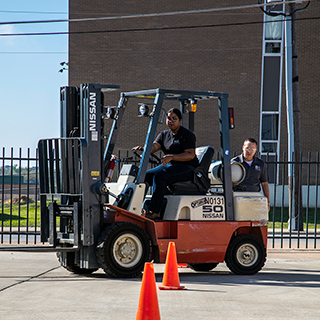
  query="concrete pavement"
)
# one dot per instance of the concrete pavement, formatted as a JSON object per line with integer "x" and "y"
{"x": 35, "y": 286}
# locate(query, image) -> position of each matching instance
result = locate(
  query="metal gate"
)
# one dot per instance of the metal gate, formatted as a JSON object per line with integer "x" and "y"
{"x": 20, "y": 202}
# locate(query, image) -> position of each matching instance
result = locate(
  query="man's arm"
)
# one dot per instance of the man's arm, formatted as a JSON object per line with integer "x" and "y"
{"x": 155, "y": 147}
{"x": 187, "y": 155}
{"x": 266, "y": 192}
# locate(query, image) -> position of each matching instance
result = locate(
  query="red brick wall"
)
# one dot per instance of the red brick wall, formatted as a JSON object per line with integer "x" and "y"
{"x": 224, "y": 57}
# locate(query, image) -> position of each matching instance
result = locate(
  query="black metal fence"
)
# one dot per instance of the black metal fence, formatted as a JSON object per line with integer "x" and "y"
{"x": 19, "y": 196}
{"x": 294, "y": 217}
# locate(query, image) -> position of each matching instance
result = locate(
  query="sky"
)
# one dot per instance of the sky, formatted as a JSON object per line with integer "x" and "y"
{"x": 30, "y": 80}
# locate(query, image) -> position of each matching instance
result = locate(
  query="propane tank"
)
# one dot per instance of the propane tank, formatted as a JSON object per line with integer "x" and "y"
{"x": 238, "y": 173}
{"x": 112, "y": 164}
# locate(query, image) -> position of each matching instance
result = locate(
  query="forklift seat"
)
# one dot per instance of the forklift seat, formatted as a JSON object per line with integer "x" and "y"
{"x": 204, "y": 155}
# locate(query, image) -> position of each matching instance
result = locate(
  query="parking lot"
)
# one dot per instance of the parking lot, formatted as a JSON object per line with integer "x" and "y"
{"x": 35, "y": 286}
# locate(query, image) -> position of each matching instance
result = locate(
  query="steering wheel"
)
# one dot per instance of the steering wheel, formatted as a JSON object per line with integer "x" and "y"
{"x": 153, "y": 158}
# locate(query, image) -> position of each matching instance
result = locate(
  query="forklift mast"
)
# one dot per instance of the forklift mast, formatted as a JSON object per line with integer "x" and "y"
{"x": 70, "y": 166}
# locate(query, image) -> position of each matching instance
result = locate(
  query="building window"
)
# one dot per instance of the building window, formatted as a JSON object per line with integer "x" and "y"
{"x": 269, "y": 130}
{"x": 273, "y": 47}
{"x": 268, "y": 147}
{"x": 273, "y": 27}
{"x": 271, "y": 82}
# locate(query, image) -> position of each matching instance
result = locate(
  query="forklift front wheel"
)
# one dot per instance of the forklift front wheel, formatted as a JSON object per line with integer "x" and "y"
{"x": 122, "y": 250}
{"x": 246, "y": 254}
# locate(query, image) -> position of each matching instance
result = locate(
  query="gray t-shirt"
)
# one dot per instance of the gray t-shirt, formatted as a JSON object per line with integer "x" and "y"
{"x": 178, "y": 143}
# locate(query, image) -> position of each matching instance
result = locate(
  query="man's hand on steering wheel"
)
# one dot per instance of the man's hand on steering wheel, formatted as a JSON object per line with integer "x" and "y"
{"x": 153, "y": 158}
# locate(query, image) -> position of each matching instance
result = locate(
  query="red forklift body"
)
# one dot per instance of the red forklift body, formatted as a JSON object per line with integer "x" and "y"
{"x": 196, "y": 241}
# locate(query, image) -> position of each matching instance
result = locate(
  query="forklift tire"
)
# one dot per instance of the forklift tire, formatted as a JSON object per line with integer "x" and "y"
{"x": 122, "y": 250}
{"x": 246, "y": 255}
{"x": 202, "y": 266}
{"x": 70, "y": 264}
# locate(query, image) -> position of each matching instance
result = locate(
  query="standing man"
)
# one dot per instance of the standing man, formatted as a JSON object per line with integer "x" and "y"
{"x": 256, "y": 170}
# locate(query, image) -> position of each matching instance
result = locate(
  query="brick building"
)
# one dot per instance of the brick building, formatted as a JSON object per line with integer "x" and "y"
{"x": 217, "y": 51}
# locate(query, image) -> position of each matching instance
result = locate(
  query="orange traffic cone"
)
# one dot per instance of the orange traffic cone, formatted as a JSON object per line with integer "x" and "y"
{"x": 171, "y": 276}
{"x": 148, "y": 308}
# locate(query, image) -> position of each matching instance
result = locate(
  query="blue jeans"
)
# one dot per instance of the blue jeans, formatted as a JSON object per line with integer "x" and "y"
{"x": 162, "y": 176}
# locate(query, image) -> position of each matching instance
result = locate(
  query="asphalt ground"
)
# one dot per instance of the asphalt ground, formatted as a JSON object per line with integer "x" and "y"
{"x": 35, "y": 286}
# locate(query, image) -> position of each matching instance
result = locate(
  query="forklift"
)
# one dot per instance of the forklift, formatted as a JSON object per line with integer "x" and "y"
{"x": 93, "y": 222}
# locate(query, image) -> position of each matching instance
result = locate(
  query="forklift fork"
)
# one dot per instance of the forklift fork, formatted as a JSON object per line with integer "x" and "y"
{"x": 60, "y": 185}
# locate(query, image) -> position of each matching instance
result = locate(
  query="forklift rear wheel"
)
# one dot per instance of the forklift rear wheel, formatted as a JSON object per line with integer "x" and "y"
{"x": 202, "y": 266}
{"x": 122, "y": 250}
{"x": 66, "y": 259}
{"x": 246, "y": 254}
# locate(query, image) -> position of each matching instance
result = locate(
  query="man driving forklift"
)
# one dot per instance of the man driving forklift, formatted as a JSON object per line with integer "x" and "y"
{"x": 178, "y": 163}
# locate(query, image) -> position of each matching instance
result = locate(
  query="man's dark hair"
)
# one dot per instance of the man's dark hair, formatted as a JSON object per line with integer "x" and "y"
{"x": 175, "y": 111}
{"x": 251, "y": 140}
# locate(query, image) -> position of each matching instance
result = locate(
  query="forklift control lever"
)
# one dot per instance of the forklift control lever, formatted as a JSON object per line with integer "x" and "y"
{"x": 102, "y": 189}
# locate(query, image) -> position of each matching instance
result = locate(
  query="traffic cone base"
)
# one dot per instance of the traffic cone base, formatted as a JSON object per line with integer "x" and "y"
{"x": 171, "y": 276}
{"x": 171, "y": 288}
{"x": 148, "y": 308}
{"x": 182, "y": 265}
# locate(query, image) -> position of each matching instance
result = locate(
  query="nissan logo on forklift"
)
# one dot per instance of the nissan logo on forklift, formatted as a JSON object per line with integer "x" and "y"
{"x": 93, "y": 117}
{"x": 94, "y": 222}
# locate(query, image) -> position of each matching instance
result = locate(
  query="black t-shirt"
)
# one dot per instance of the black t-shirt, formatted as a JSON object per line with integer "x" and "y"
{"x": 178, "y": 143}
{"x": 255, "y": 174}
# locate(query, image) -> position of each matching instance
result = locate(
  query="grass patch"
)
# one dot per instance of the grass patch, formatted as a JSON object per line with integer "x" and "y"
{"x": 280, "y": 216}
{"x": 20, "y": 215}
